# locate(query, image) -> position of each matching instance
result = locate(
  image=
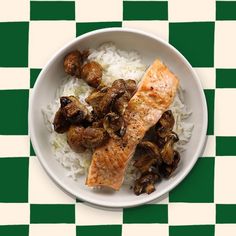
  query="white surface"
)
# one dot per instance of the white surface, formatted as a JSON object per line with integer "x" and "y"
{"x": 150, "y": 47}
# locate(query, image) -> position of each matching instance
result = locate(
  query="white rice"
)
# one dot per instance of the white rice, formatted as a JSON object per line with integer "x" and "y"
{"x": 117, "y": 64}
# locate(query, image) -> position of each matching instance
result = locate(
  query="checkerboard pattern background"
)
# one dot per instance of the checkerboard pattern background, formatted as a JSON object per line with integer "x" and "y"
{"x": 204, "y": 203}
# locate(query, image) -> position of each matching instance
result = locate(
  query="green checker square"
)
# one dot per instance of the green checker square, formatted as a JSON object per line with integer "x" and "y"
{"x": 33, "y": 76}
{"x": 14, "y": 230}
{"x": 192, "y": 230}
{"x": 14, "y": 121}
{"x": 84, "y": 27}
{"x": 52, "y": 10}
{"x": 225, "y": 214}
{"x": 14, "y": 44}
{"x": 146, "y": 214}
{"x": 225, "y": 10}
{"x": 145, "y": 10}
{"x": 225, "y": 146}
{"x": 14, "y": 187}
{"x": 210, "y": 99}
{"x": 195, "y": 40}
{"x": 225, "y": 78}
{"x": 99, "y": 230}
{"x": 52, "y": 213}
{"x": 198, "y": 186}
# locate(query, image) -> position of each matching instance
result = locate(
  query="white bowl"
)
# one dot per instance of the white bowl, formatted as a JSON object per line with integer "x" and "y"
{"x": 150, "y": 47}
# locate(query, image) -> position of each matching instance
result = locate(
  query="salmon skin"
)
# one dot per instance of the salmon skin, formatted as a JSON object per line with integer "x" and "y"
{"x": 155, "y": 94}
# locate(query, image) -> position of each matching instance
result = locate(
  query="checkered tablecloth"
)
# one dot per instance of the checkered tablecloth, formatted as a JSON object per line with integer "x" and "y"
{"x": 203, "y": 204}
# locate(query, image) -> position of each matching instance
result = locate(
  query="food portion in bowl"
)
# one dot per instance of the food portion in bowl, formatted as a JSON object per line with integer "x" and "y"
{"x": 118, "y": 121}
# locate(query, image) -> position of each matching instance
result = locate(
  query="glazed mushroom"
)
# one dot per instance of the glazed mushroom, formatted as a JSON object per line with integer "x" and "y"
{"x": 121, "y": 103}
{"x": 168, "y": 153}
{"x": 91, "y": 72}
{"x": 94, "y": 137}
{"x": 115, "y": 91}
{"x": 74, "y": 138}
{"x": 152, "y": 150}
{"x": 73, "y": 110}
{"x": 73, "y": 63}
{"x": 144, "y": 163}
{"x": 114, "y": 125}
{"x": 165, "y": 124}
{"x": 146, "y": 183}
{"x": 167, "y": 170}
{"x": 95, "y": 98}
{"x": 61, "y": 125}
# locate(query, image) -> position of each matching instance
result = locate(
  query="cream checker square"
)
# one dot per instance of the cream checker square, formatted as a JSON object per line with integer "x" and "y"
{"x": 191, "y": 213}
{"x": 42, "y": 189}
{"x": 225, "y": 46}
{"x": 14, "y": 213}
{"x": 145, "y": 229}
{"x": 97, "y": 11}
{"x": 21, "y": 145}
{"x": 225, "y": 115}
{"x": 158, "y": 28}
{"x": 46, "y": 38}
{"x": 225, "y": 175}
{"x": 52, "y": 229}
{"x": 225, "y": 229}
{"x": 191, "y": 10}
{"x": 100, "y": 216}
{"x": 14, "y": 10}
{"x": 207, "y": 77}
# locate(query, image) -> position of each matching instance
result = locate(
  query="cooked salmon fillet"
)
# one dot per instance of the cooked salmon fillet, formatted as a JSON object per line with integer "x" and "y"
{"x": 155, "y": 94}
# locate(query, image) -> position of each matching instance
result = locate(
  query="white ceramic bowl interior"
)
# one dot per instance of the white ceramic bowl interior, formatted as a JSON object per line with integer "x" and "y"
{"x": 150, "y": 48}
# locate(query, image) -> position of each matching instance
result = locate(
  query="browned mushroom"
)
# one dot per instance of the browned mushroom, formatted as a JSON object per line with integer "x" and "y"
{"x": 167, "y": 153}
{"x": 114, "y": 125}
{"x": 115, "y": 91}
{"x": 167, "y": 170}
{"x": 121, "y": 103}
{"x": 93, "y": 137}
{"x": 74, "y": 138}
{"x": 91, "y": 72}
{"x": 130, "y": 86}
{"x": 94, "y": 99}
{"x": 165, "y": 124}
{"x": 144, "y": 163}
{"x": 152, "y": 150}
{"x": 72, "y": 63}
{"x": 60, "y": 123}
{"x": 73, "y": 110}
{"x": 146, "y": 183}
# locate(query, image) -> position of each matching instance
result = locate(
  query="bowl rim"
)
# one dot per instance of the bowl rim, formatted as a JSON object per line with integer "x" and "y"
{"x": 136, "y": 202}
